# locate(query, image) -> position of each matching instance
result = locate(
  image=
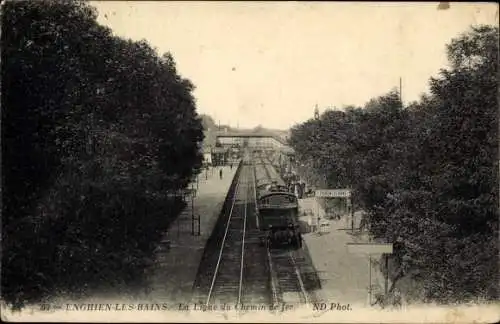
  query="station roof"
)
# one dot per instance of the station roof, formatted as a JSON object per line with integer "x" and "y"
{"x": 245, "y": 134}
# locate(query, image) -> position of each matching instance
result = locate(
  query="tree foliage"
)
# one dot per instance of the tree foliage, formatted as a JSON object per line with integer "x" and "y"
{"x": 425, "y": 174}
{"x": 210, "y": 129}
{"x": 94, "y": 128}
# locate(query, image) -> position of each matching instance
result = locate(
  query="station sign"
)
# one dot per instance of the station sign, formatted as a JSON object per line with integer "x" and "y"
{"x": 333, "y": 193}
{"x": 370, "y": 248}
{"x": 183, "y": 193}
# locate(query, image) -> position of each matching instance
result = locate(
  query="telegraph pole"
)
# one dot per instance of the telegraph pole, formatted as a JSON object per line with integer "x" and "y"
{"x": 401, "y": 91}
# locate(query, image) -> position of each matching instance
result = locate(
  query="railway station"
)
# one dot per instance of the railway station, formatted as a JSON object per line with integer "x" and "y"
{"x": 257, "y": 247}
{"x": 258, "y": 226}
{"x": 361, "y": 181}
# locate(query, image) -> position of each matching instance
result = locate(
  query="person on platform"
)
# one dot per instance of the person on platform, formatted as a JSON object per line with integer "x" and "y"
{"x": 220, "y": 173}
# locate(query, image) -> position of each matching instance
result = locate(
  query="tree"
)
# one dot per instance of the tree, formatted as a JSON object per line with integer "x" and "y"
{"x": 93, "y": 130}
{"x": 425, "y": 174}
{"x": 465, "y": 160}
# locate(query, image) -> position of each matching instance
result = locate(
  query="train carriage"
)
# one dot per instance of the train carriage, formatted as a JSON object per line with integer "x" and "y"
{"x": 278, "y": 212}
{"x": 265, "y": 187}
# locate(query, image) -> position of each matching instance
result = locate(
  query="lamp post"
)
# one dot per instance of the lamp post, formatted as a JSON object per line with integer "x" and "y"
{"x": 192, "y": 211}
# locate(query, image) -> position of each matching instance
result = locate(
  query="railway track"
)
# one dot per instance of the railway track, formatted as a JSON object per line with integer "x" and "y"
{"x": 235, "y": 267}
{"x": 291, "y": 288}
{"x": 288, "y": 284}
{"x": 235, "y": 273}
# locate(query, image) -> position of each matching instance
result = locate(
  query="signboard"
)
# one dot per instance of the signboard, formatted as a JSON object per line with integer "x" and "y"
{"x": 370, "y": 248}
{"x": 333, "y": 193}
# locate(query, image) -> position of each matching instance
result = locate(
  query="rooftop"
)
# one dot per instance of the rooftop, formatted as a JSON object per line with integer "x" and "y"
{"x": 244, "y": 134}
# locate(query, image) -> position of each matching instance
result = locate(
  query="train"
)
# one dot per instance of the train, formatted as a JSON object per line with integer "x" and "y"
{"x": 277, "y": 208}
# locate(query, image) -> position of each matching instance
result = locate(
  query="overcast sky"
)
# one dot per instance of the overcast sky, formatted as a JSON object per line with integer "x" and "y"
{"x": 269, "y": 63}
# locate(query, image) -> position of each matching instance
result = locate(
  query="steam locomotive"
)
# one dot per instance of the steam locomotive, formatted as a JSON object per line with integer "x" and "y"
{"x": 278, "y": 210}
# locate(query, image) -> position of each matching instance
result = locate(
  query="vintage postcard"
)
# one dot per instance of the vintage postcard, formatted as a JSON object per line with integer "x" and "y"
{"x": 214, "y": 161}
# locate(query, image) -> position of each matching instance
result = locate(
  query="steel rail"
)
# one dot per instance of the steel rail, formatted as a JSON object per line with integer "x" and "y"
{"x": 299, "y": 277}
{"x": 303, "y": 290}
{"x": 223, "y": 242}
{"x": 243, "y": 248}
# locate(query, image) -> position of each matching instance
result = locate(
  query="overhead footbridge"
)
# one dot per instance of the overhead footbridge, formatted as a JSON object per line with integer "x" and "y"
{"x": 230, "y": 146}
{"x": 256, "y": 141}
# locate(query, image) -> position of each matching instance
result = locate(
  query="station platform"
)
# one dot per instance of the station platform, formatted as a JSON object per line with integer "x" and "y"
{"x": 172, "y": 276}
{"x": 344, "y": 276}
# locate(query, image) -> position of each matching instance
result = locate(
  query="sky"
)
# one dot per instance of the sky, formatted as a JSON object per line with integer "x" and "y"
{"x": 270, "y": 63}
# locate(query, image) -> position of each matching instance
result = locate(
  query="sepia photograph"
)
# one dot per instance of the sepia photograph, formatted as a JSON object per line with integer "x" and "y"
{"x": 249, "y": 161}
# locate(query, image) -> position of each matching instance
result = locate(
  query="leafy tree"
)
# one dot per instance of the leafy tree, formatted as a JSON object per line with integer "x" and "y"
{"x": 93, "y": 129}
{"x": 465, "y": 162}
{"x": 425, "y": 174}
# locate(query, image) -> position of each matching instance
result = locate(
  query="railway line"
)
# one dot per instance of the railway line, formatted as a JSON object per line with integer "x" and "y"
{"x": 290, "y": 286}
{"x": 236, "y": 267}
{"x": 235, "y": 274}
